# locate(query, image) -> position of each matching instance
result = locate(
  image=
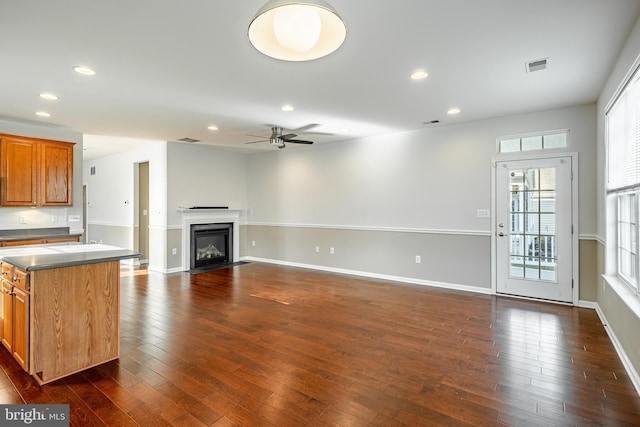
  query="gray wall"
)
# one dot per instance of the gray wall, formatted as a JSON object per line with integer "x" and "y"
{"x": 381, "y": 201}
{"x": 199, "y": 175}
{"x": 181, "y": 175}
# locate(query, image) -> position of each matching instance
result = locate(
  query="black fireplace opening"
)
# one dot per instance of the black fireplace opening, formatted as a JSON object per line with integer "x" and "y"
{"x": 211, "y": 244}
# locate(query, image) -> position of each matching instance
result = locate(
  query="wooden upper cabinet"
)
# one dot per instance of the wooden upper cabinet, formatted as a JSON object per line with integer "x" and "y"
{"x": 18, "y": 171}
{"x": 35, "y": 172}
{"x": 56, "y": 172}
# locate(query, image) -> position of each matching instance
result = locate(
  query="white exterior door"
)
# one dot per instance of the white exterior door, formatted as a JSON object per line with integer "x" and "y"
{"x": 534, "y": 242}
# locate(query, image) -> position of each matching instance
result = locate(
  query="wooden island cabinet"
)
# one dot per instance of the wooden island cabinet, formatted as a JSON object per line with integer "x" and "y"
{"x": 15, "y": 306}
{"x": 61, "y": 307}
{"x": 35, "y": 172}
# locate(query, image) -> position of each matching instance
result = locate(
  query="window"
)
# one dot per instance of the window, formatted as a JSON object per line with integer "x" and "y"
{"x": 539, "y": 141}
{"x": 623, "y": 178}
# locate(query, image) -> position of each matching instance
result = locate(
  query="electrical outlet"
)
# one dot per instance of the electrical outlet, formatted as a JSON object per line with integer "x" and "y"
{"x": 23, "y": 220}
{"x": 174, "y": 251}
{"x": 418, "y": 259}
{"x": 482, "y": 213}
{"x": 54, "y": 218}
{"x": 253, "y": 243}
{"x": 332, "y": 251}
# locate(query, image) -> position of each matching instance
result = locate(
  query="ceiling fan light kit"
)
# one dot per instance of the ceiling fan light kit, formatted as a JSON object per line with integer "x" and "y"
{"x": 297, "y": 30}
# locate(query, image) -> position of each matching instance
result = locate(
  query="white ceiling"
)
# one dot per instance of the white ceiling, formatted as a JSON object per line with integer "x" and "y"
{"x": 167, "y": 69}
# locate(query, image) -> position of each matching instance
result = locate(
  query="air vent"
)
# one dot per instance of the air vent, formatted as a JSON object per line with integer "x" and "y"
{"x": 537, "y": 65}
{"x": 189, "y": 140}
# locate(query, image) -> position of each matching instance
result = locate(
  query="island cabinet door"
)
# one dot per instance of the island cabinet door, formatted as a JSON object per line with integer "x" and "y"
{"x": 7, "y": 315}
{"x": 21, "y": 327}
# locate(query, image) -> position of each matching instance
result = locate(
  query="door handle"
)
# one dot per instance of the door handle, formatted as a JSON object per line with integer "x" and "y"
{"x": 501, "y": 234}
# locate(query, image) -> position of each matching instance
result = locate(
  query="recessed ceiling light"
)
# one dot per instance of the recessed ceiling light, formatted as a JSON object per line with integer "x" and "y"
{"x": 345, "y": 130}
{"x": 42, "y": 114}
{"x": 48, "y": 96}
{"x": 453, "y": 111}
{"x": 419, "y": 75}
{"x": 213, "y": 127}
{"x": 287, "y": 107}
{"x": 80, "y": 69}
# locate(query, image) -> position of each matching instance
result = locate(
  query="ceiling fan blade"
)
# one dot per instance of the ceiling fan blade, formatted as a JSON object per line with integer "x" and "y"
{"x": 255, "y": 142}
{"x": 306, "y": 127}
{"x": 257, "y": 136}
{"x": 320, "y": 133}
{"x": 299, "y": 141}
{"x": 288, "y": 136}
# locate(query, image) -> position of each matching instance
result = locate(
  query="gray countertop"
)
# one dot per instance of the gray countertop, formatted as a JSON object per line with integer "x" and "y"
{"x": 42, "y": 257}
{"x": 36, "y": 233}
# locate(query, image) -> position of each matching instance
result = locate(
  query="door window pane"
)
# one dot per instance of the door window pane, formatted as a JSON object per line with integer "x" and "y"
{"x": 533, "y": 225}
{"x": 517, "y": 267}
{"x": 517, "y": 245}
{"x": 510, "y": 145}
{"x": 532, "y": 143}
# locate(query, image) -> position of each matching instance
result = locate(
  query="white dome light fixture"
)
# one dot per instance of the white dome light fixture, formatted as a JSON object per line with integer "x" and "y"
{"x": 297, "y": 30}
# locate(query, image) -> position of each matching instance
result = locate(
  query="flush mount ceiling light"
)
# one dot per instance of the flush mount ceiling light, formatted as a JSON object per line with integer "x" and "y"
{"x": 297, "y": 30}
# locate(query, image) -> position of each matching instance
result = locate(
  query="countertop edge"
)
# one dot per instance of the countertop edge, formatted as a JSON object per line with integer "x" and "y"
{"x": 50, "y": 261}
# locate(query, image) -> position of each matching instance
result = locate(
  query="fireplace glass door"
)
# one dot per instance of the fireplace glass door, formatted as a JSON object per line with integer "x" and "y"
{"x": 210, "y": 244}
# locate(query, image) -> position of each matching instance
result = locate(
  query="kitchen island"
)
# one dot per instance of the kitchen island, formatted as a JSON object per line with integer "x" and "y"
{"x": 61, "y": 307}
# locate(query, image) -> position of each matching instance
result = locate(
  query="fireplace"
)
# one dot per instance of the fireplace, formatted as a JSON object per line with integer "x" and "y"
{"x": 192, "y": 217}
{"x": 211, "y": 244}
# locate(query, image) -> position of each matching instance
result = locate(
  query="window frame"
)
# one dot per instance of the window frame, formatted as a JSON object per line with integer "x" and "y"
{"x": 616, "y": 192}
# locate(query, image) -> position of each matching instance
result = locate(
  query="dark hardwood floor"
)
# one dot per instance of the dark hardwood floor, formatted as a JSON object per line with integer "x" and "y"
{"x": 264, "y": 345}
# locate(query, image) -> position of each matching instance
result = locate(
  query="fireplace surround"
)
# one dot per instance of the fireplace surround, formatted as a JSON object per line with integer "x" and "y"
{"x": 209, "y": 216}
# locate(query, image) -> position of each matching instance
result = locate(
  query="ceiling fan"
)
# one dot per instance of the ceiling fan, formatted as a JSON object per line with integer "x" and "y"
{"x": 277, "y": 139}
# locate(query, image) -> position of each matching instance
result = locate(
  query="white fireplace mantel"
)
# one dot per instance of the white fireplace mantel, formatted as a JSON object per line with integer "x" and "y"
{"x": 208, "y": 216}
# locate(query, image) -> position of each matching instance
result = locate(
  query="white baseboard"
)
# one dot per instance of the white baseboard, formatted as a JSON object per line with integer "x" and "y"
{"x": 408, "y": 280}
{"x": 628, "y": 366}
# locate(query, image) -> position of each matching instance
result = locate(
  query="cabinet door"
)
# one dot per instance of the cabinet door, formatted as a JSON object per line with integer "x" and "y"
{"x": 18, "y": 172}
{"x": 7, "y": 314}
{"x": 56, "y": 172}
{"x": 21, "y": 327}
{"x": 23, "y": 242}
